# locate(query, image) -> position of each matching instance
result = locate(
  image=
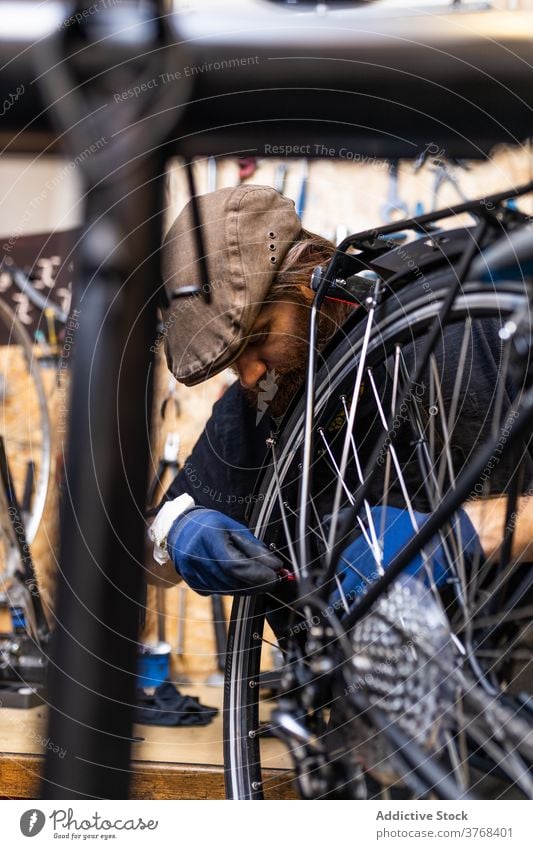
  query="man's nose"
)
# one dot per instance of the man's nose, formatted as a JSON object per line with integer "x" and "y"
{"x": 250, "y": 369}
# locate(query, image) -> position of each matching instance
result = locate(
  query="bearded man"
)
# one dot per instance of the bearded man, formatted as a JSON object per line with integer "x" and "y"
{"x": 259, "y": 261}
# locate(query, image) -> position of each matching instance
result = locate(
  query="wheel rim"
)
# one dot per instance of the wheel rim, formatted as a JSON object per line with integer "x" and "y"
{"x": 24, "y": 420}
{"x": 473, "y": 302}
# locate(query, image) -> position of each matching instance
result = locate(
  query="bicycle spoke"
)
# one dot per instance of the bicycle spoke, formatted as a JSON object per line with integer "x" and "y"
{"x": 372, "y": 540}
{"x": 349, "y": 425}
{"x": 456, "y": 562}
{"x": 257, "y": 636}
{"x": 501, "y": 387}
{"x": 447, "y": 454}
{"x": 427, "y": 462}
{"x": 428, "y": 466}
{"x": 454, "y": 403}
{"x": 376, "y": 547}
{"x": 393, "y": 453}
{"x": 388, "y": 461}
{"x": 320, "y": 535}
{"x": 507, "y": 616}
{"x": 288, "y": 537}
{"x": 456, "y": 762}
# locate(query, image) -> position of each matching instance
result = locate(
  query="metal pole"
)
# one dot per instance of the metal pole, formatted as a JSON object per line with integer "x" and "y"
{"x": 94, "y": 649}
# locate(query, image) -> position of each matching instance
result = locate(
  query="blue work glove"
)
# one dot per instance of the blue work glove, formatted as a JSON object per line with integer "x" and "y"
{"x": 215, "y": 554}
{"x": 357, "y": 567}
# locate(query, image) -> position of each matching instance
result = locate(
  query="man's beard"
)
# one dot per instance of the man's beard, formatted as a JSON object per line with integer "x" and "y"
{"x": 275, "y": 391}
{"x": 291, "y": 377}
{"x": 287, "y": 385}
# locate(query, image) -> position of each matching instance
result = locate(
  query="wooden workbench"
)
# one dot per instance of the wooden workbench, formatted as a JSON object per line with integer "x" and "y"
{"x": 168, "y": 763}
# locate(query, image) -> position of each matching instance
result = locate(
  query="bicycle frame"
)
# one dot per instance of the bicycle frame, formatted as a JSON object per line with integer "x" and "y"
{"x": 490, "y": 209}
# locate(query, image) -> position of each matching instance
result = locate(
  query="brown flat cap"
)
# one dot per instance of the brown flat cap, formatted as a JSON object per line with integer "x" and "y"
{"x": 247, "y": 232}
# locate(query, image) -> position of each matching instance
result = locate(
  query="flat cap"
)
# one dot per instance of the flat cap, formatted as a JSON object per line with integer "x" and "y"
{"x": 247, "y": 231}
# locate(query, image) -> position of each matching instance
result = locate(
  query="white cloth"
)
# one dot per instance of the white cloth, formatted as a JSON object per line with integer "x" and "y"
{"x": 165, "y": 518}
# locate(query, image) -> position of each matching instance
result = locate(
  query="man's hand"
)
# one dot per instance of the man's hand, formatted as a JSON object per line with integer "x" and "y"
{"x": 215, "y": 554}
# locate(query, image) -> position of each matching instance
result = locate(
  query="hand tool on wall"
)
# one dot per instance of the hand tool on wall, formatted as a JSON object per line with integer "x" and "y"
{"x": 394, "y": 207}
{"x": 171, "y": 402}
{"x": 168, "y": 462}
{"x": 302, "y": 194}
{"x": 170, "y": 412}
{"x": 443, "y": 175}
{"x": 211, "y": 174}
{"x": 280, "y": 178}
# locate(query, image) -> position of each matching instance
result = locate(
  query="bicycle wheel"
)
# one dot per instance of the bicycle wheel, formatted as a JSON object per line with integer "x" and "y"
{"x": 24, "y": 419}
{"x": 435, "y": 435}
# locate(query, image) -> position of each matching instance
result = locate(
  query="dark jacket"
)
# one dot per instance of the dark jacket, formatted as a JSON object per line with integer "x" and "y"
{"x": 222, "y": 470}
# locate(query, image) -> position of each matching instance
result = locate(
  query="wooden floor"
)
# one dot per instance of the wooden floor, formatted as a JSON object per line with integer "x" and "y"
{"x": 167, "y": 763}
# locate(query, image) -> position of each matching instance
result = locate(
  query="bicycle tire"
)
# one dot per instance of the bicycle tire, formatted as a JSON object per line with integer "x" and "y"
{"x": 25, "y": 422}
{"x": 405, "y": 313}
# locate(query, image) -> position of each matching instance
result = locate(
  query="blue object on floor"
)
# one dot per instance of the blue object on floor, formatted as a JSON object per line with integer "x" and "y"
{"x": 153, "y": 664}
